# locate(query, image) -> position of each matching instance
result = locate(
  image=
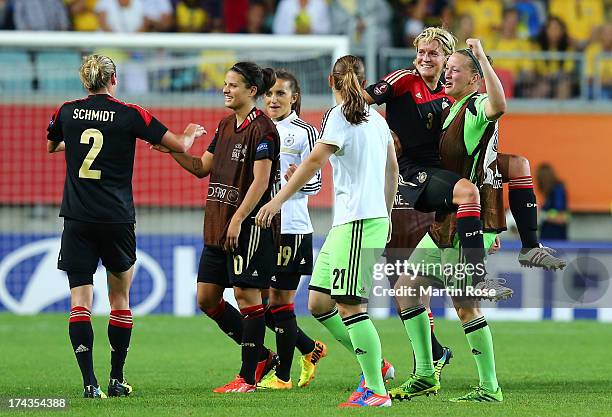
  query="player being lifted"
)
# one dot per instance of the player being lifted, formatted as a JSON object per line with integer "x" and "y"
{"x": 414, "y": 102}
{"x": 98, "y": 134}
{"x": 469, "y": 125}
{"x": 359, "y": 144}
{"x": 294, "y": 258}
{"x": 242, "y": 162}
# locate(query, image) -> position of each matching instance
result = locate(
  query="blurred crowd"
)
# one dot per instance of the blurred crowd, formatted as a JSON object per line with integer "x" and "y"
{"x": 516, "y": 26}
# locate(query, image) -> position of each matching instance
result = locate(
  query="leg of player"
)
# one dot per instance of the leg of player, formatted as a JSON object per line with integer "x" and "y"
{"x": 81, "y": 332}
{"x": 119, "y": 329}
{"x": 413, "y": 313}
{"x": 366, "y": 347}
{"x": 253, "y": 330}
{"x": 441, "y": 354}
{"x": 469, "y": 230}
{"x": 478, "y": 334}
{"x": 523, "y": 206}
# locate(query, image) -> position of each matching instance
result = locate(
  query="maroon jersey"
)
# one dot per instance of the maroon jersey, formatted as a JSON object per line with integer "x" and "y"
{"x": 236, "y": 149}
{"x": 413, "y": 112}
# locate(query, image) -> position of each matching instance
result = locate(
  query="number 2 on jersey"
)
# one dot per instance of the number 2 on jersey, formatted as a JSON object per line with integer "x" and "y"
{"x": 98, "y": 140}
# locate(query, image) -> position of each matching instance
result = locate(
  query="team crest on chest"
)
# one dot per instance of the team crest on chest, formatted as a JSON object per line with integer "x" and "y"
{"x": 289, "y": 140}
{"x": 239, "y": 152}
{"x": 421, "y": 177}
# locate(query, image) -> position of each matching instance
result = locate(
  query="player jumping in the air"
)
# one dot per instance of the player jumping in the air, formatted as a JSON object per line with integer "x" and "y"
{"x": 98, "y": 134}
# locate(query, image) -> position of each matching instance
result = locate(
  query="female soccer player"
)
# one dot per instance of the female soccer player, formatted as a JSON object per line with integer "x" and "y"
{"x": 359, "y": 144}
{"x": 294, "y": 257}
{"x": 98, "y": 134}
{"x": 242, "y": 161}
{"x": 470, "y": 123}
{"x": 415, "y": 100}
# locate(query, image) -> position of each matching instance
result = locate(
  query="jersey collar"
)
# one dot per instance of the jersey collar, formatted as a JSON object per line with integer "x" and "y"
{"x": 438, "y": 88}
{"x": 291, "y": 117}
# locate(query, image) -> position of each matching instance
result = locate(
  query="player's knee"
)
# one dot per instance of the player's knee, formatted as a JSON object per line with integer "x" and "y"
{"x": 316, "y": 308}
{"x": 206, "y": 303}
{"x": 519, "y": 166}
{"x": 465, "y": 192}
{"x": 119, "y": 300}
{"x": 467, "y": 314}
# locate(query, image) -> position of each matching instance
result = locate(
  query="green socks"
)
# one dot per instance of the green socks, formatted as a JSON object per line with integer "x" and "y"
{"x": 333, "y": 323}
{"x": 416, "y": 322}
{"x": 479, "y": 337}
{"x": 366, "y": 344}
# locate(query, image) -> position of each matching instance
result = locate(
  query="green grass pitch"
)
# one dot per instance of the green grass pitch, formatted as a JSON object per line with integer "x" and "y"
{"x": 544, "y": 368}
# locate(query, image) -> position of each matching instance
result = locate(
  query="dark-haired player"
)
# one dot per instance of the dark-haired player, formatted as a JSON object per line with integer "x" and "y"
{"x": 242, "y": 162}
{"x": 98, "y": 134}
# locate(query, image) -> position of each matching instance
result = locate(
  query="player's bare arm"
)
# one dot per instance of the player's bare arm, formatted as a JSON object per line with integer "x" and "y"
{"x": 53, "y": 146}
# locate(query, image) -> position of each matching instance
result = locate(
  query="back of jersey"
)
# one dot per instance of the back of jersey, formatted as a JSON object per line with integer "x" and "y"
{"x": 100, "y": 135}
{"x": 359, "y": 165}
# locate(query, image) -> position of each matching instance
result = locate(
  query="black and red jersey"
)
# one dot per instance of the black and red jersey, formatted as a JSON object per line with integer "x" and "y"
{"x": 413, "y": 113}
{"x": 100, "y": 134}
{"x": 236, "y": 149}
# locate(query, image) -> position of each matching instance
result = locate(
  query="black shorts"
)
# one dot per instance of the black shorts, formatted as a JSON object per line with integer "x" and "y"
{"x": 429, "y": 189}
{"x": 293, "y": 259}
{"x": 84, "y": 244}
{"x": 251, "y": 265}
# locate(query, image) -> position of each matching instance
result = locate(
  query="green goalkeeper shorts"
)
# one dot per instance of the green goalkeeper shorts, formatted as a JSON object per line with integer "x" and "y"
{"x": 444, "y": 264}
{"x": 345, "y": 263}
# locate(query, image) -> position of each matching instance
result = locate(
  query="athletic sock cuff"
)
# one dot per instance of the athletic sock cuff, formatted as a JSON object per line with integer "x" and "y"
{"x": 283, "y": 313}
{"x": 468, "y": 210}
{"x": 79, "y": 313}
{"x": 355, "y": 318}
{"x": 121, "y": 318}
{"x": 325, "y": 316}
{"x": 411, "y": 312}
{"x": 521, "y": 182}
{"x": 474, "y": 325}
{"x": 216, "y": 311}
{"x": 253, "y": 312}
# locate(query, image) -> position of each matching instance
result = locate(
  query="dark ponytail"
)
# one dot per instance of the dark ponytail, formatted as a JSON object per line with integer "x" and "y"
{"x": 283, "y": 74}
{"x": 348, "y": 76}
{"x": 254, "y": 75}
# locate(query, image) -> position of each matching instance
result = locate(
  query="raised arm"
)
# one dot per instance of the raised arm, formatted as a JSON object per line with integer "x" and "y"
{"x": 496, "y": 103}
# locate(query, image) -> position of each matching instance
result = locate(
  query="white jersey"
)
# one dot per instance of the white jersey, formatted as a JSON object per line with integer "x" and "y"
{"x": 359, "y": 164}
{"x": 297, "y": 139}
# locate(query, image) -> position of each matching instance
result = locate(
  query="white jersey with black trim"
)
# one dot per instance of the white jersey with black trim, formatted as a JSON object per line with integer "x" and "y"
{"x": 297, "y": 139}
{"x": 359, "y": 164}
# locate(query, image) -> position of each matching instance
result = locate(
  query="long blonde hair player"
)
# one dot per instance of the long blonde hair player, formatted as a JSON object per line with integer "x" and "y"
{"x": 98, "y": 134}
{"x": 297, "y": 138}
{"x": 358, "y": 143}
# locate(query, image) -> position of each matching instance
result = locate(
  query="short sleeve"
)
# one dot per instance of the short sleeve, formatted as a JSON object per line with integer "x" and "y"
{"x": 54, "y": 130}
{"x": 481, "y": 114}
{"x": 332, "y": 128}
{"x": 266, "y": 148}
{"x": 147, "y": 127}
{"x": 393, "y": 85}
{"x": 213, "y": 144}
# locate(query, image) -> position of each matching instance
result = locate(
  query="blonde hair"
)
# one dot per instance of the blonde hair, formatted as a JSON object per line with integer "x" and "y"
{"x": 96, "y": 72}
{"x": 447, "y": 40}
{"x": 348, "y": 75}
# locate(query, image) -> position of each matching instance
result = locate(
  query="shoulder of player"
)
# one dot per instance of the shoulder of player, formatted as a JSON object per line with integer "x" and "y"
{"x": 303, "y": 129}
{"x": 476, "y": 100}
{"x": 333, "y": 114}
{"x": 131, "y": 107}
{"x": 405, "y": 75}
{"x": 263, "y": 126}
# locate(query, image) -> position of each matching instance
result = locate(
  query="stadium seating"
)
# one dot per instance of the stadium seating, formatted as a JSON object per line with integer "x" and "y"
{"x": 17, "y": 72}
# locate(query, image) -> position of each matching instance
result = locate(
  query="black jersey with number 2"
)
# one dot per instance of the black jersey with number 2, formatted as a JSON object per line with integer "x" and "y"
{"x": 100, "y": 135}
